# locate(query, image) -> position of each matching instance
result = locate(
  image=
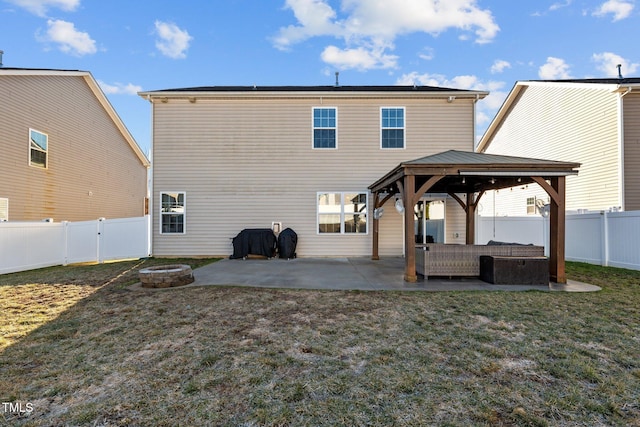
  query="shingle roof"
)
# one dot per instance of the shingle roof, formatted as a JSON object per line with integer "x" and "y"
{"x": 615, "y": 81}
{"x": 39, "y": 69}
{"x": 313, "y": 89}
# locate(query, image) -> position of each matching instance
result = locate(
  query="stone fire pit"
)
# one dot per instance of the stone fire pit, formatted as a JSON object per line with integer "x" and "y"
{"x": 166, "y": 276}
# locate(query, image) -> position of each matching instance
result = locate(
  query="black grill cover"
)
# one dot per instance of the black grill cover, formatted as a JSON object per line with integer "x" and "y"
{"x": 287, "y": 242}
{"x": 257, "y": 241}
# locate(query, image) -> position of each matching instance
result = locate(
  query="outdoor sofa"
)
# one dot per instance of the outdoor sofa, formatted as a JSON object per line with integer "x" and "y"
{"x": 439, "y": 259}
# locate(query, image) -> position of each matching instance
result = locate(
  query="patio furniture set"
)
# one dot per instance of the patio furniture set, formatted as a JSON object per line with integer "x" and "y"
{"x": 495, "y": 262}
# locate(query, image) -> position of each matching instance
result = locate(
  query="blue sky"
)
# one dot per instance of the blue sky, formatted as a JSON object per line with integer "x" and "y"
{"x": 131, "y": 45}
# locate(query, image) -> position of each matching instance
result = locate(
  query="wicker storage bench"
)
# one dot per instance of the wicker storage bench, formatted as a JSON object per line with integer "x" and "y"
{"x": 439, "y": 259}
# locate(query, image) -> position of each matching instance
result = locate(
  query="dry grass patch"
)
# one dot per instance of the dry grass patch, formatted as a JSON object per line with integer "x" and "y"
{"x": 239, "y": 356}
{"x": 32, "y": 298}
{"x": 26, "y": 307}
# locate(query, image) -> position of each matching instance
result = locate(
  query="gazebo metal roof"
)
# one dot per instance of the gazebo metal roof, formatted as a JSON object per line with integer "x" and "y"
{"x": 476, "y": 170}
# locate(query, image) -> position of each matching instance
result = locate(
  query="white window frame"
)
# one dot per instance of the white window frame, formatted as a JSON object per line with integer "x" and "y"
{"x": 404, "y": 127}
{"x": 313, "y": 128}
{"x": 4, "y": 209}
{"x": 184, "y": 213}
{"x": 343, "y": 213}
{"x": 532, "y": 205}
{"x": 46, "y": 151}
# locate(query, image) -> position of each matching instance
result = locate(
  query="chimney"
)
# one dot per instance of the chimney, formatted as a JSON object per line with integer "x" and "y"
{"x": 337, "y": 82}
{"x": 1, "y": 53}
{"x": 619, "y": 66}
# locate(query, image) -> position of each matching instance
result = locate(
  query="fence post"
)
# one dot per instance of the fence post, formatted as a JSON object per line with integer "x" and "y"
{"x": 604, "y": 226}
{"x": 149, "y": 230}
{"x": 546, "y": 242}
{"x": 100, "y": 240}
{"x": 65, "y": 242}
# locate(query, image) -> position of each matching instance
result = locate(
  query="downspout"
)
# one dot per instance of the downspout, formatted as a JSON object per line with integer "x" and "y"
{"x": 621, "y": 195}
{"x": 151, "y": 204}
{"x": 476, "y": 230}
{"x": 475, "y": 101}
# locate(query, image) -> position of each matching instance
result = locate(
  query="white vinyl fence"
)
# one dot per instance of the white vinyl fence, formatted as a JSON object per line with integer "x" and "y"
{"x": 29, "y": 245}
{"x": 602, "y": 238}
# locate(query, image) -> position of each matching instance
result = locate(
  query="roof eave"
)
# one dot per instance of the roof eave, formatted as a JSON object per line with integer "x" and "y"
{"x": 500, "y": 115}
{"x": 99, "y": 94}
{"x": 40, "y": 72}
{"x": 626, "y": 88}
{"x": 185, "y": 94}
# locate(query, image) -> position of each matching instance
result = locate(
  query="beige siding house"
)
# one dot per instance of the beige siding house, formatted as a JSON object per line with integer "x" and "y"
{"x": 66, "y": 154}
{"x": 230, "y": 158}
{"x": 595, "y": 122}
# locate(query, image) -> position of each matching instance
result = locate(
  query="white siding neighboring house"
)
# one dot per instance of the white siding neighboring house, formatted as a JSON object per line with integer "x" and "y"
{"x": 595, "y": 122}
{"x": 66, "y": 154}
{"x": 230, "y": 158}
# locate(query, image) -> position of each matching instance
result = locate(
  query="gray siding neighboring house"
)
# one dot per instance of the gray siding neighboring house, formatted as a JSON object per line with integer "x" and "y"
{"x": 66, "y": 154}
{"x": 595, "y": 122}
{"x": 230, "y": 158}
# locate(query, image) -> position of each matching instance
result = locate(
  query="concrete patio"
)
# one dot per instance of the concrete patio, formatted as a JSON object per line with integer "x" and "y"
{"x": 353, "y": 273}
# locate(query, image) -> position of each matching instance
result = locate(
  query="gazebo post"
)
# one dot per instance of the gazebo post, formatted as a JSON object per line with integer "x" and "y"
{"x": 409, "y": 237}
{"x": 376, "y": 228}
{"x": 557, "y": 231}
{"x": 556, "y": 189}
{"x": 470, "y": 210}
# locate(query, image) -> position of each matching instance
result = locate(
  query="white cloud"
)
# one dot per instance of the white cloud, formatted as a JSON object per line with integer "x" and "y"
{"x": 560, "y": 5}
{"x": 69, "y": 39}
{"x": 427, "y": 54}
{"x": 414, "y": 78}
{"x": 40, "y": 7}
{"x": 620, "y": 9}
{"x": 606, "y": 63}
{"x": 499, "y": 66}
{"x": 390, "y": 19}
{"x": 485, "y": 109}
{"x": 315, "y": 19}
{"x": 554, "y": 69}
{"x": 119, "y": 88}
{"x": 173, "y": 41}
{"x": 369, "y": 26}
{"x": 469, "y": 82}
{"x": 360, "y": 58}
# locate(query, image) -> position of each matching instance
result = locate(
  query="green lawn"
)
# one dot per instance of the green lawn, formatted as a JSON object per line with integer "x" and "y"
{"x": 82, "y": 348}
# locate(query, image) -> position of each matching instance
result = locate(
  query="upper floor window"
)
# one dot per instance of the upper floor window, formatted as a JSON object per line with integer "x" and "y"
{"x": 38, "y": 143}
{"x": 172, "y": 213}
{"x": 392, "y": 127}
{"x": 324, "y": 127}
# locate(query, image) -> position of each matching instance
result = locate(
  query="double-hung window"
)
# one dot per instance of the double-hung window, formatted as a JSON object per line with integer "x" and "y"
{"x": 392, "y": 127}
{"x": 531, "y": 205}
{"x": 342, "y": 213}
{"x": 38, "y": 143}
{"x": 172, "y": 213}
{"x": 325, "y": 126}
